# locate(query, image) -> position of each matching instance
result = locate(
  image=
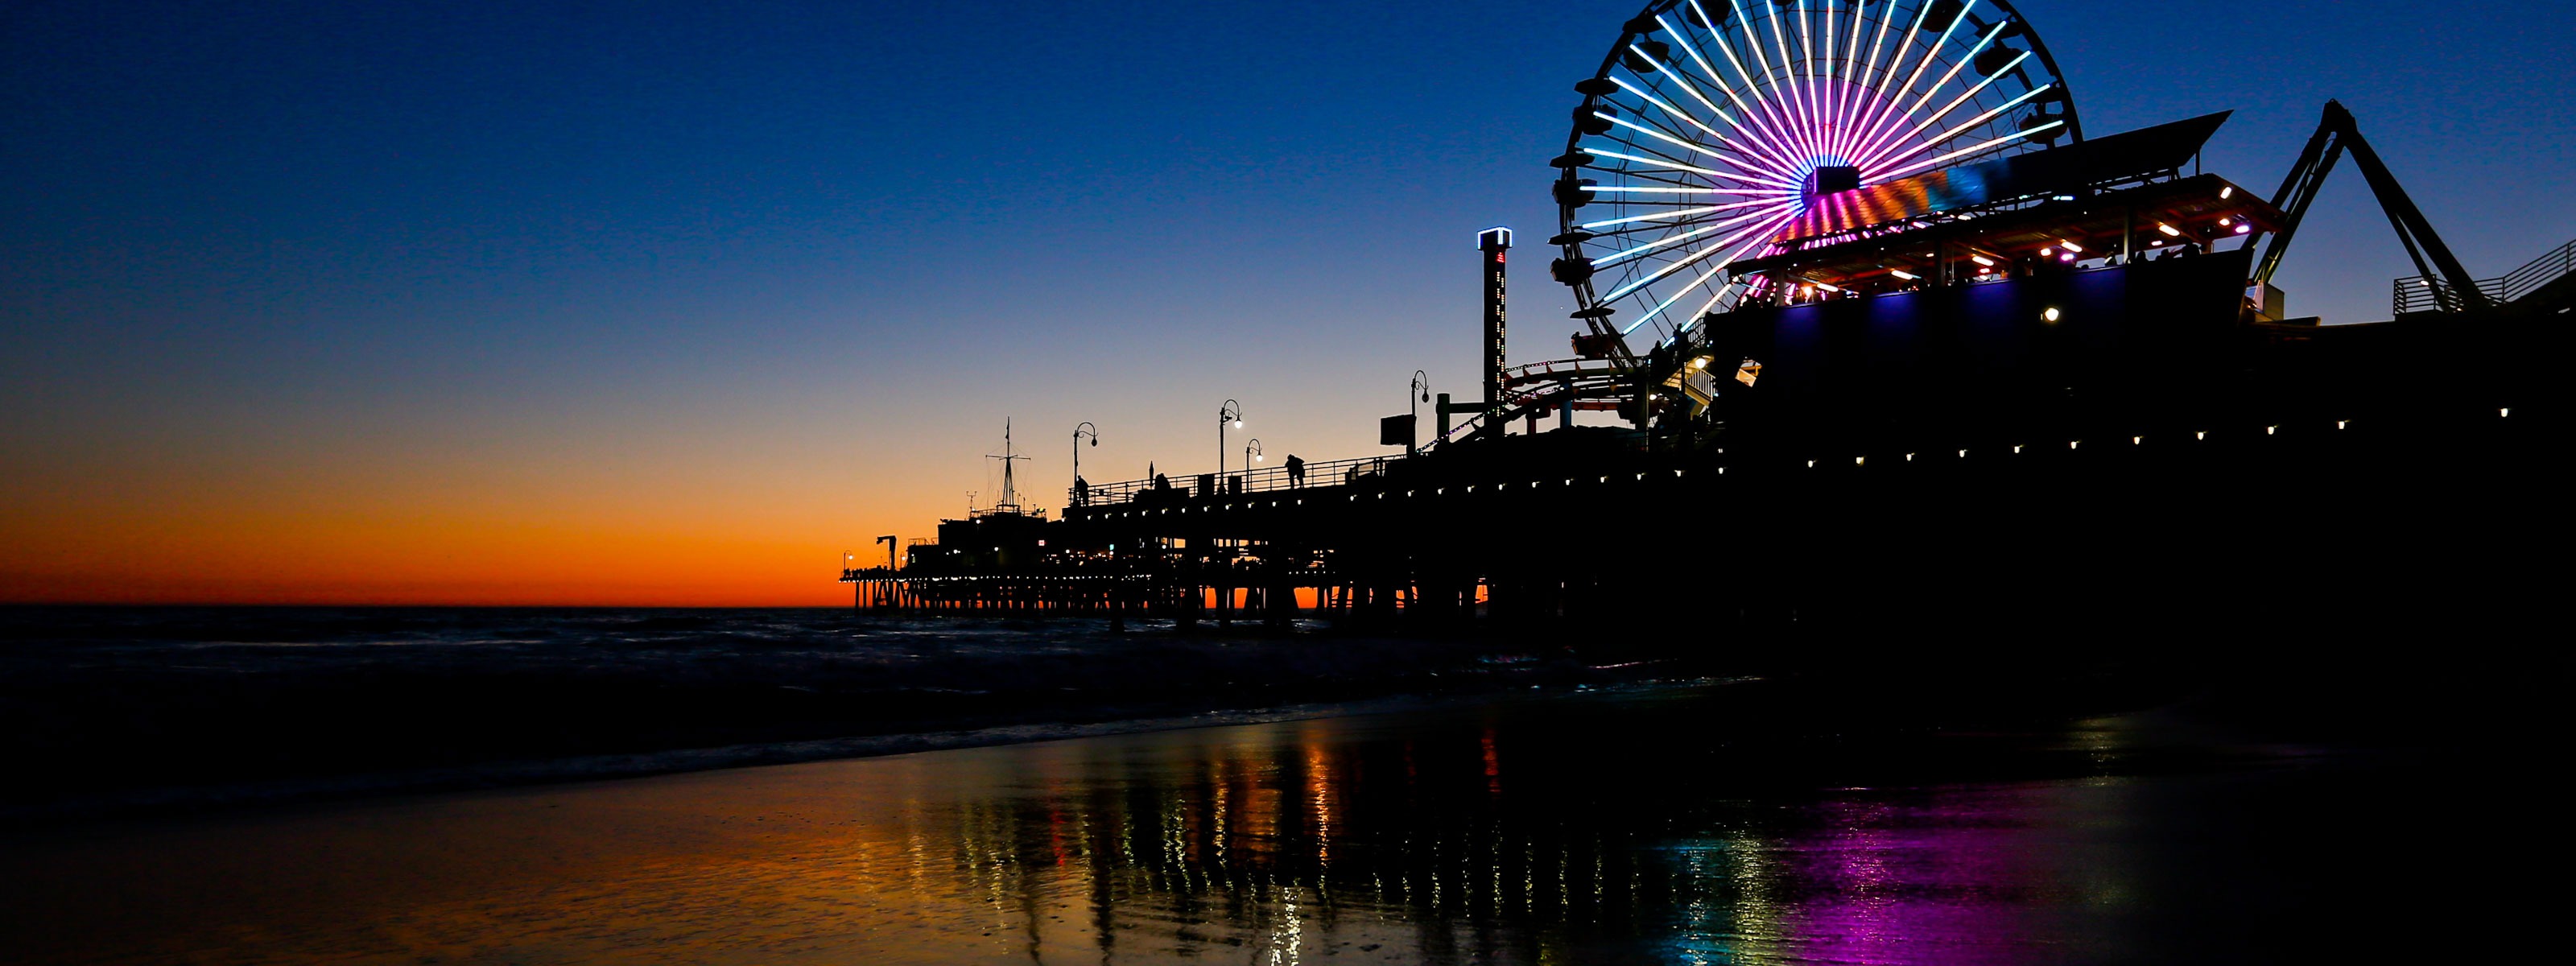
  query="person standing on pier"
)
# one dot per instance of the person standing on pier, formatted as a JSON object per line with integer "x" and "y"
{"x": 1296, "y": 471}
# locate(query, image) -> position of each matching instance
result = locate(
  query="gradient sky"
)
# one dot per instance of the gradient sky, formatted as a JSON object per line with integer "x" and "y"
{"x": 637, "y": 302}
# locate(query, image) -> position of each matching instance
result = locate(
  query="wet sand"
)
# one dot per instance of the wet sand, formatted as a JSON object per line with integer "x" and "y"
{"x": 1701, "y": 825}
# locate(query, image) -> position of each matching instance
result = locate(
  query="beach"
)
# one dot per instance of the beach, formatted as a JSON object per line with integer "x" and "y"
{"x": 1718, "y": 822}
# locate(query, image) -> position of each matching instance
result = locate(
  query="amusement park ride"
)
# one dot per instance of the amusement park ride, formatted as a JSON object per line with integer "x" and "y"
{"x": 1832, "y": 259}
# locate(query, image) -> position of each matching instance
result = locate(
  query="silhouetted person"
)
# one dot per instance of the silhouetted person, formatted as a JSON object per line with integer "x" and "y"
{"x": 1081, "y": 491}
{"x": 1296, "y": 471}
{"x": 1162, "y": 482}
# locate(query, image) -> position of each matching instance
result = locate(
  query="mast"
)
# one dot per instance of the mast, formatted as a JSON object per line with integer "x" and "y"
{"x": 1010, "y": 502}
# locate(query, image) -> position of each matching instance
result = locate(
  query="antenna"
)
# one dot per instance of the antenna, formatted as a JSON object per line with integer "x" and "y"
{"x": 1010, "y": 502}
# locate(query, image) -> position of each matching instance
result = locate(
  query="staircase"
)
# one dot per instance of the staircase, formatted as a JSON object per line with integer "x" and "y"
{"x": 2542, "y": 278}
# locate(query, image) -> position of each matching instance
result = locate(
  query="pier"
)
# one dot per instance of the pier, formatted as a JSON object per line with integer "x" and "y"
{"x": 2039, "y": 392}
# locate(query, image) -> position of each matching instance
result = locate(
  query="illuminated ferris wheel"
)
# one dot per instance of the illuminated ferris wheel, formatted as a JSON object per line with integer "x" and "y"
{"x": 1714, "y": 124}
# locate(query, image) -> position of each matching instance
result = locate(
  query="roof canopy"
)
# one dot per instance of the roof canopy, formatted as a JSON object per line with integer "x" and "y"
{"x": 2073, "y": 170}
{"x": 2204, "y": 208}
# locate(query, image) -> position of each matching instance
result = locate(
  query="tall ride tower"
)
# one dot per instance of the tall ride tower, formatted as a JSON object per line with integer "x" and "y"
{"x": 1493, "y": 242}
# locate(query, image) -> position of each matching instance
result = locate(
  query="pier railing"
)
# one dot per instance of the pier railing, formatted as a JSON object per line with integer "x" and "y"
{"x": 2419, "y": 294}
{"x": 1259, "y": 479}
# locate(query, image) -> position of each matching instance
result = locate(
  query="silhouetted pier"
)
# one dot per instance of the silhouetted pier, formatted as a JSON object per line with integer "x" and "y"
{"x": 1987, "y": 442}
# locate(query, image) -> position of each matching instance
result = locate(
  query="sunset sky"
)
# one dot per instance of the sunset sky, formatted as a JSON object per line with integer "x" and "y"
{"x": 673, "y": 303}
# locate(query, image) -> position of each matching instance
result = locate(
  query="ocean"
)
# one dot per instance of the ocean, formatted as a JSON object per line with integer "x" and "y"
{"x": 125, "y": 708}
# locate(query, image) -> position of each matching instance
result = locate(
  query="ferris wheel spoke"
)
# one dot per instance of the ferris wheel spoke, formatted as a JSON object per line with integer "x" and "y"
{"x": 1809, "y": 87}
{"x": 2003, "y": 141}
{"x": 1782, "y": 214}
{"x": 1847, "y": 93}
{"x": 1680, "y": 79}
{"x": 1770, "y": 130}
{"x": 1669, "y": 110}
{"x": 1782, "y": 219}
{"x": 1640, "y": 190}
{"x": 1690, "y": 146}
{"x": 1774, "y": 142}
{"x": 1731, "y": 259}
{"x": 1892, "y": 140}
{"x": 1953, "y": 73}
{"x": 1807, "y": 83}
{"x": 1727, "y": 152}
{"x": 1890, "y": 155}
{"x": 1904, "y": 43}
{"x": 1781, "y": 118}
{"x": 1670, "y": 241}
{"x": 1877, "y": 46}
{"x": 1789, "y": 89}
{"x": 1888, "y": 113}
{"x": 1678, "y": 166}
{"x": 1864, "y": 85}
{"x": 1681, "y": 217}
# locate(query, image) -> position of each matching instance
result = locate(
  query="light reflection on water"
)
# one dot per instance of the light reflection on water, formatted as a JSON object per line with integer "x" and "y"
{"x": 1539, "y": 834}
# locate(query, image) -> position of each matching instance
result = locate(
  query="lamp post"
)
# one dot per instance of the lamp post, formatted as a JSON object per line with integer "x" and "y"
{"x": 1231, "y": 412}
{"x": 1086, "y": 429}
{"x": 1251, "y": 454}
{"x": 1412, "y": 408}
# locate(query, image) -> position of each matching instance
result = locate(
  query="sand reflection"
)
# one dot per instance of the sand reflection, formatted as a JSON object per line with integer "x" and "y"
{"x": 1355, "y": 840}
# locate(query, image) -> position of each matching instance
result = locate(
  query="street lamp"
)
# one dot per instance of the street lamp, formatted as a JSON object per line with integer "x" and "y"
{"x": 1231, "y": 412}
{"x": 1086, "y": 429}
{"x": 1251, "y": 454}
{"x": 1422, "y": 388}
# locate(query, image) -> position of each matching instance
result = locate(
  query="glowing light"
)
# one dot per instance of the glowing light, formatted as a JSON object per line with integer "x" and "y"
{"x": 1822, "y": 287}
{"x": 2050, "y": 315}
{"x": 1605, "y": 260}
{"x": 2224, "y": 222}
{"x": 2244, "y": 229}
{"x": 2169, "y": 230}
{"x": 1684, "y": 213}
{"x": 1952, "y": 134}
{"x": 2069, "y": 246}
{"x": 1903, "y": 274}
{"x": 2047, "y": 253}
{"x": 1963, "y": 152}
{"x": 1777, "y": 139}
{"x": 2226, "y": 192}
{"x": 1982, "y": 260}
{"x": 1765, "y": 162}
{"x": 1887, "y": 112}
{"x": 1629, "y": 190}
{"x": 1787, "y": 213}
{"x": 1660, "y": 163}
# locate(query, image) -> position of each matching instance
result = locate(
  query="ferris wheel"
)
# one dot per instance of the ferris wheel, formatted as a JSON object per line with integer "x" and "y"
{"x": 1713, "y": 124}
